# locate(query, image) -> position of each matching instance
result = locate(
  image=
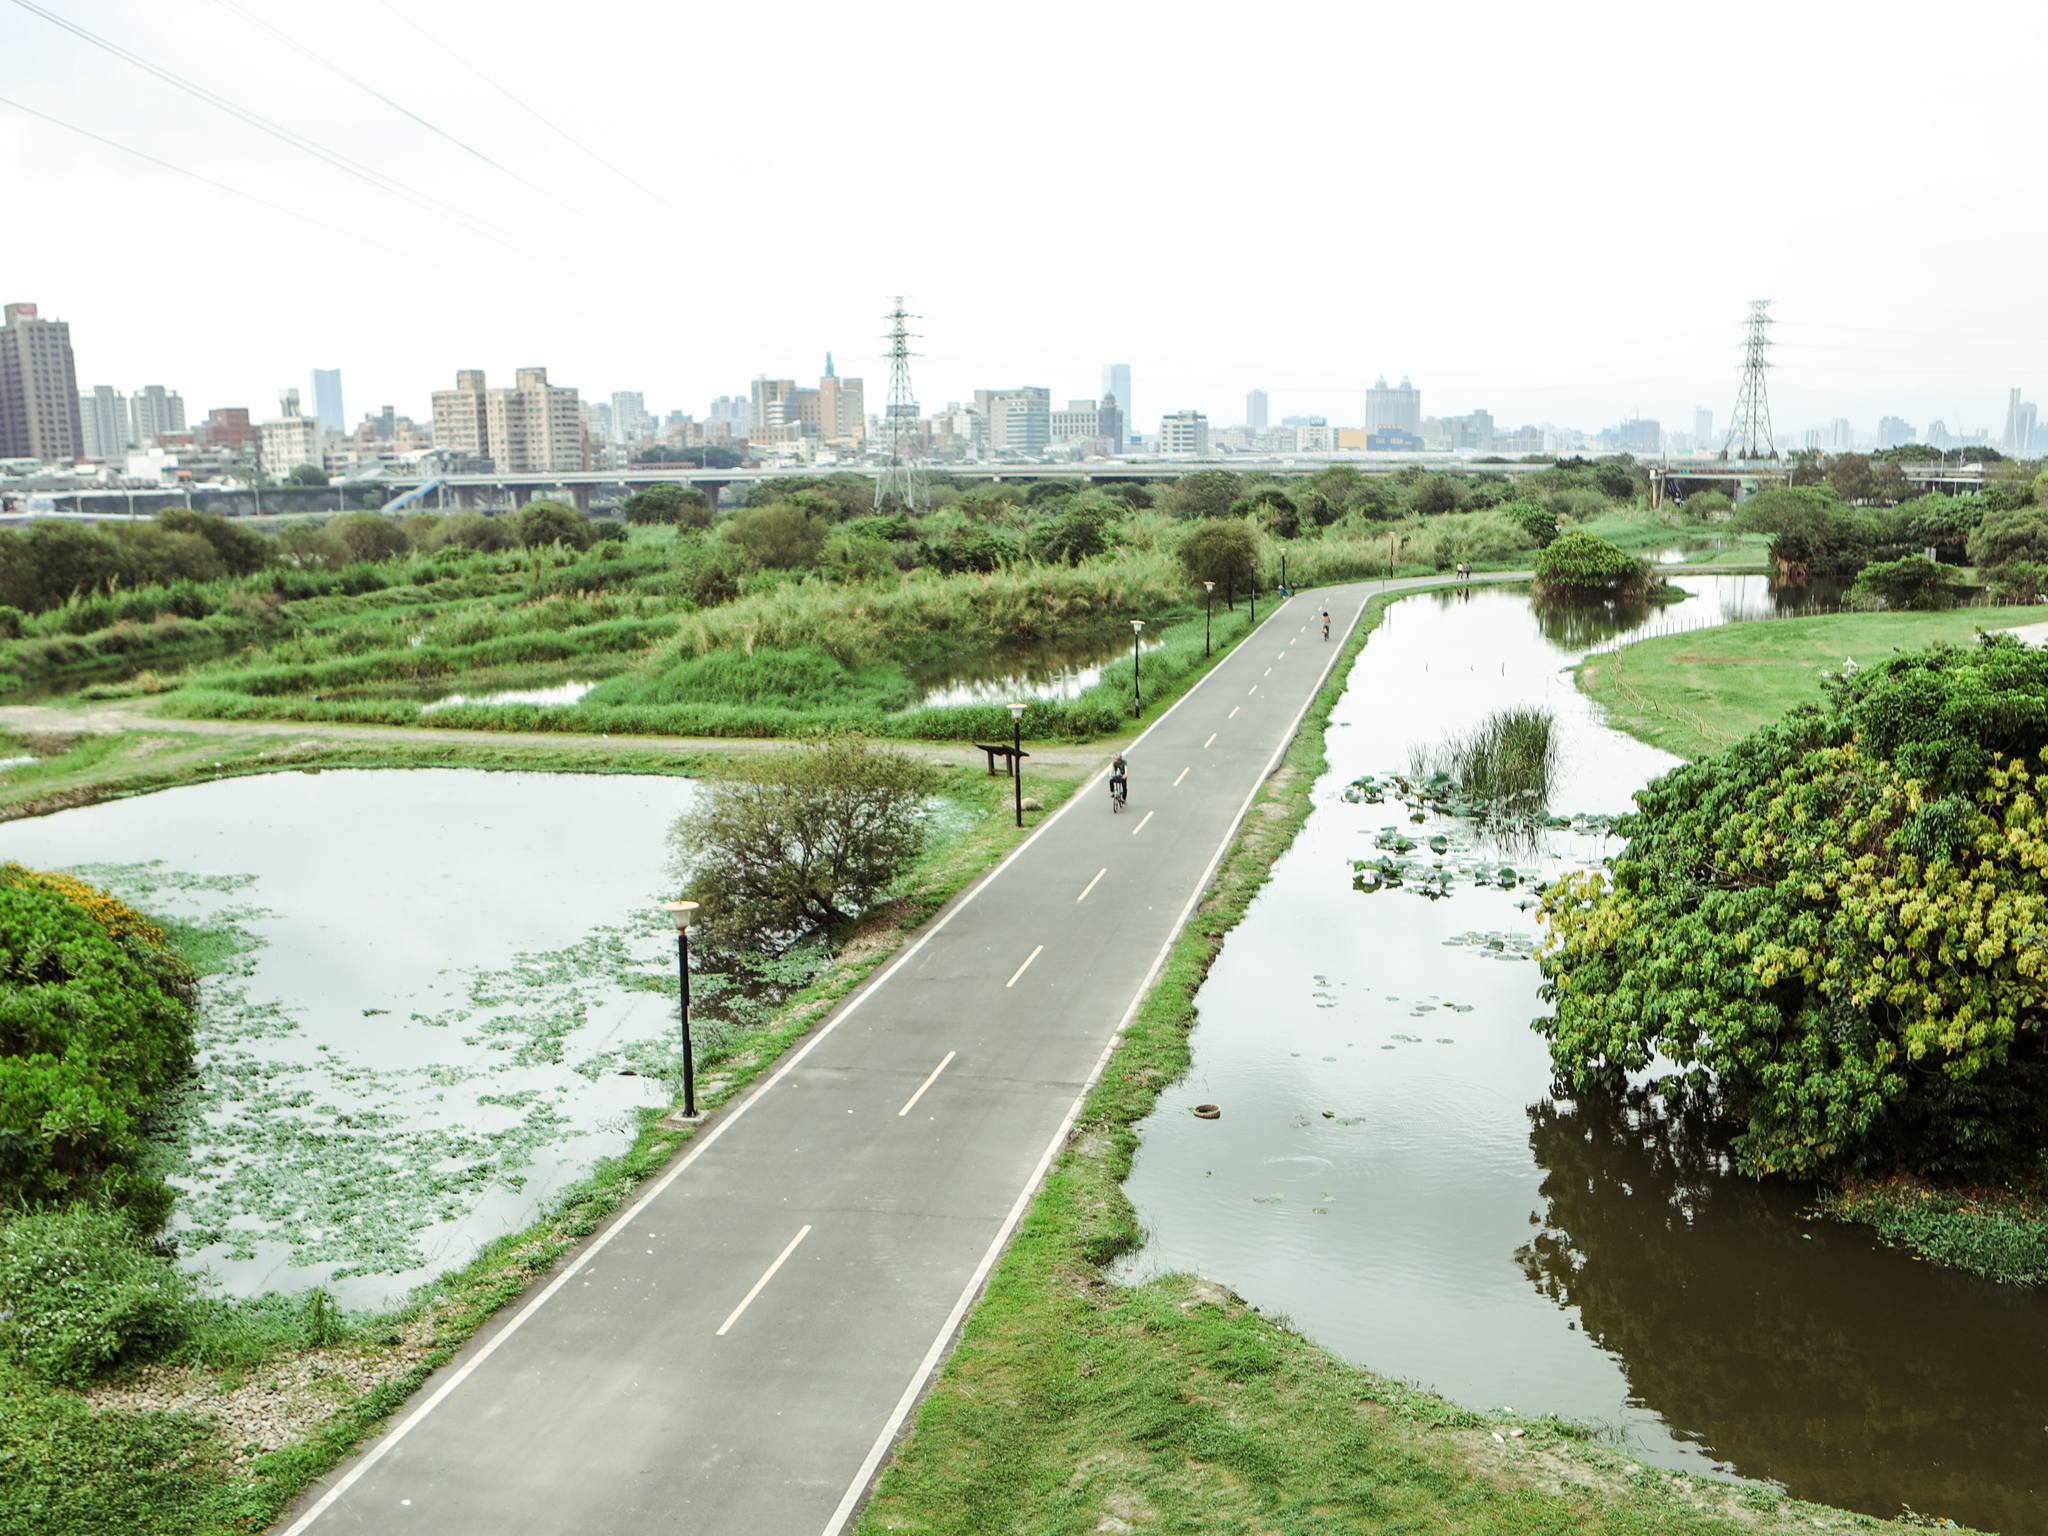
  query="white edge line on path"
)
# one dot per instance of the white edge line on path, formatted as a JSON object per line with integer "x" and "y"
{"x": 922, "y": 1376}
{"x": 748, "y": 1300}
{"x": 701, "y": 1144}
{"x": 912, "y": 1104}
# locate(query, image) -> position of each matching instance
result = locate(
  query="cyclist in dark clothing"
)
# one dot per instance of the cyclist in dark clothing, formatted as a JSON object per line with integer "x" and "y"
{"x": 1119, "y": 782}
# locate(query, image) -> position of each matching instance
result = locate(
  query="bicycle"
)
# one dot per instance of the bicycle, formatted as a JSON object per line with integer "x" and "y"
{"x": 1119, "y": 794}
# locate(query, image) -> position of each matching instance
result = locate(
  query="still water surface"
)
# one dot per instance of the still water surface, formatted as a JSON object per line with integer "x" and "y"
{"x": 430, "y": 1035}
{"x": 1454, "y": 1223}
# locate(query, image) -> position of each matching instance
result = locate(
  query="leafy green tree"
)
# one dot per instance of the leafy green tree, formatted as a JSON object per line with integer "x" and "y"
{"x": 968, "y": 547}
{"x": 1914, "y": 582}
{"x": 1707, "y": 505}
{"x": 43, "y": 566}
{"x": 1073, "y": 536}
{"x": 2004, "y": 537}
{"x": 1620, "y": 478}
{"x": 782, "y": 536}
{"x": 1222, "y": 550}
{"x": 1831, "y": 926}
{"x": 836, "y": 496}
{"x": 1135, "y": 495}
{"x": 371, "y": 535}
{"x": 1848, "y": 474}
{"x": 1205, "y": 493}
{"x": 1436, "y": 494}
{"x": 1810, "y": 529}
{"x": 553, "y": 522}
{"x": 242, "y": 550}
{"x": 1576, "y": 567}
{"x": 1273, "y": 509}
{"x": 1044, "y": 491}
{"x": 1534, "y": 519}
{"x": 473, "y": 530}
{"x": 707, "y": 456}
{"x": 684, "y": 505}
{"x": 306, "y": 474}
{"x": 802, "y": 840}
{"x": 304, "y": 547}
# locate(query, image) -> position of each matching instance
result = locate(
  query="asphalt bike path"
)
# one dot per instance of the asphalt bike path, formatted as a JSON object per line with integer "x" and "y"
{"x": 740, "y": 1349}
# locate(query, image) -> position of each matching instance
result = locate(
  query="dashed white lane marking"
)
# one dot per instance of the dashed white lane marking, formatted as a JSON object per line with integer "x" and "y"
{"x": 1134, "y": 832}
{"x": 1029, "y": 958}
{"x": 1231, "y": 716}
{"x": 1091, "y": 884}
{"x": 747, "y": 1300}
{"x": 1183, "y": 774}
{"x": 1213, "y": 735}
{"x": 924, "y": 1085}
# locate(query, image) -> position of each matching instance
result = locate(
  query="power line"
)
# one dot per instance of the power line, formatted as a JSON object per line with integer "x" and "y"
{"x": 292, "y": 138}
{"x": 534, "y": 112}
{"x": 364, "y": 86}
{"x": 194, "y": 175}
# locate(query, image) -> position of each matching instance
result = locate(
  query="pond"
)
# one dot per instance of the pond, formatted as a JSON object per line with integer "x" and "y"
{"x": 445, "y": 978}
{"x": 1056, "y": 669}
{"x": 1393, "y": 1171}
{"x": 561, "y": 693}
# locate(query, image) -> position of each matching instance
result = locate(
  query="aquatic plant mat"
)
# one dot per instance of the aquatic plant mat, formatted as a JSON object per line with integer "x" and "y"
{"x": 272, "y": 1392}
{"x": 1073, "y": 1405}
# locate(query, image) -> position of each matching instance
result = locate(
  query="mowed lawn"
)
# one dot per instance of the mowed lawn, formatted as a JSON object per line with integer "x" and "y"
{"x": 1692, "y": 694}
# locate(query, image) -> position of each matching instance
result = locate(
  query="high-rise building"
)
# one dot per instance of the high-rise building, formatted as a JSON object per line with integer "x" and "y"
{"x": 1019, "y": 420}
{"x": 104, "y": 423}
{"x": 154, "y": 412}
{"x": 39, "y": 416}
{"x": 1894, "y": 432}
{"x": 1400, "y": 408}
{"x": 228, "y": 427}
{"x": 2018, "y": 438}
{"x": 1841, "y": 438}
{"x": 533, "y": 427}
{"x": 1809, "y": 440}
{"x": 1255, "y": 410}
{"x": 1703, "y": 429}
{"x": 735, "y": 410}
{"x": 290, "y": 439}
{"x": 630, "y": 421}
{"x": 1184, "y": 432}
{"x": 327, "y": 400}
{"x": 1109, "y": 423}
{"x": 1116, "y": 380}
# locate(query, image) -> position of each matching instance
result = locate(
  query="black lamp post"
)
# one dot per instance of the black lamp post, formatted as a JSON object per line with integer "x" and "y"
{"x": 1017, "y": 756}
{"x": 679, "y": 913}
{"x": 1251, "y": 591}
{"x": 1283, "y": 570}
{"x": 1208, "y": 606}
{"x": 1137, "y": 689}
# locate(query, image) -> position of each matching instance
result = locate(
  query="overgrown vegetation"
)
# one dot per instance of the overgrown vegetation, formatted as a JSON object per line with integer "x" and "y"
{"x": 1834, "y": 927}
{"x": 1503, "y": 764}
{"x": 1577, "y": 567}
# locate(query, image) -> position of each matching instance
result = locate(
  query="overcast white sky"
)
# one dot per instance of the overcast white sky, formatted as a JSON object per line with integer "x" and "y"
{"x": 1554, "y": 212}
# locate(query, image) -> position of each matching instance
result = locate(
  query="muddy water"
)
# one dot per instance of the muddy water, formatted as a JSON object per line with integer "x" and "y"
{"x": 455, "y": 995}
{"x": 1394, "y": 1173}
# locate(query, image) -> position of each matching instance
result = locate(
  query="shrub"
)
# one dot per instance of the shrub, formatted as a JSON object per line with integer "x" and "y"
{"x": 1538, "y": 522}
{"x": 81, "y": 1294}
{"x": 2005, "y": 538}
{"x": 1833, "y": 926}
{"x": 680, "y": 504}
{"x": 804, "y": 839}
{"x": 781, "y": 536}
{"x": 1206, "y": 493}
{"x": 369, "y": 536}
{"x": 553, "y": 522}
{"x": 1577, "y": 566}
{"x": 1505, "y": 762}
{"x": 1912, "y": 583}
{"x": 1076, "y": 535}
{"x": 95, "y": 1022}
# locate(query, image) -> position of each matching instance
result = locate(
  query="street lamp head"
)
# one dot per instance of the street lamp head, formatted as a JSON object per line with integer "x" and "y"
{"x": 1136, "y": 625}
{"x": 679, "y": 913}
{"x": 1208, "y": 586}
{"x": 1016, "y": 711}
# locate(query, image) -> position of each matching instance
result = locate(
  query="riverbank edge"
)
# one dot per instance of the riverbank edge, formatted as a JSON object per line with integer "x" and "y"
{"x": 408, "y": 1344}
{"x": 1997, "y": 1233}
{"x": 1071, "y": 1403}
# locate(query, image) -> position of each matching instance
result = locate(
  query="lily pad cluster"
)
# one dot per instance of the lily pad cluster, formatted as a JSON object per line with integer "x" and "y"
{"x": 1430, "y": 869}
{"x": 1442, "y": 795}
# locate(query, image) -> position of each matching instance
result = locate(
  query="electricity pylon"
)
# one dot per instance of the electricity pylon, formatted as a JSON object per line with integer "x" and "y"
{"x": 902, "y": 435}
{"x": 1749, "y": 434}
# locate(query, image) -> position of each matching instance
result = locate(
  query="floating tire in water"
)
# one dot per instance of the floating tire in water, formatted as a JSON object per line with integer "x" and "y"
{"x": 1208, "y": 1111}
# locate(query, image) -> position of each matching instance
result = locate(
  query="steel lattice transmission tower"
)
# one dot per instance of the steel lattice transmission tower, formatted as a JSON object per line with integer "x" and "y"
{"x": 1749, "y": 434}
{"x": 902, "y": 435}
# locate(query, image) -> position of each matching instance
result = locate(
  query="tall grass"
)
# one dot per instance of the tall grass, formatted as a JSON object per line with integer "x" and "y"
{"x": 1504, "y": 764}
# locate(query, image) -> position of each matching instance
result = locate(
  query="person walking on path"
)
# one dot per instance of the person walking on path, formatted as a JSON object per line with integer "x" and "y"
{"x": 1326, "y": 623}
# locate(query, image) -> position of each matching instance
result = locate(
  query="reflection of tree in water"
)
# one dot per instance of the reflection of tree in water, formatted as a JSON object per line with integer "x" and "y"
{"x": 1575, "y": 626}
{"x": 1846, "y": 1371}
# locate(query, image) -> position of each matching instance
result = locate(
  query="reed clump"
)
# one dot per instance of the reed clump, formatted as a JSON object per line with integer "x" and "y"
{"x": 1503, "y": 764}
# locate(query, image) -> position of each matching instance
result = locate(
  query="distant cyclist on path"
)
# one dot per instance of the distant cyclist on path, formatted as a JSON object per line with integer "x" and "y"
{"x": 1326, "y": 623}
{"x": 1119, "y": 783}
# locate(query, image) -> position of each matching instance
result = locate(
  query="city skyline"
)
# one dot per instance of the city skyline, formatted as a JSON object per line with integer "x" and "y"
{"x": 1542, "y": 311}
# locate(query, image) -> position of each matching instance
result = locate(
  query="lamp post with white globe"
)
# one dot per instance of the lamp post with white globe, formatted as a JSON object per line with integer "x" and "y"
{"x": 1137, "y": 689}
{"x": 1017, "y": 757}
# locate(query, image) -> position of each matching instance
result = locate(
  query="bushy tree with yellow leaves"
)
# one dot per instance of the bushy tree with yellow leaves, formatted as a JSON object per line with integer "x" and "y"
{"x": 1838, "y": 928}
